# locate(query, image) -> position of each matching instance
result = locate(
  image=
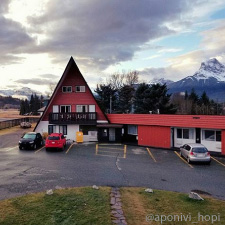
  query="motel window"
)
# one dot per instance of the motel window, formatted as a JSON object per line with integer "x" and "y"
{"x": 51, "y": 129}
{"x": 211, "y": 135}
{"x": 185, "y": 133}
{"x": 63, "y": 129}
{"x": 179, "y": 133}
{"x": 86, "y": 128}
{"x": 80, "y": 88}
{"x": 218, "y": 135}
{"x": 65, "y": 108}
{"x": 81, "y": 108}
{"x": 132, "y": 130}
{"x": 66, "y": 89}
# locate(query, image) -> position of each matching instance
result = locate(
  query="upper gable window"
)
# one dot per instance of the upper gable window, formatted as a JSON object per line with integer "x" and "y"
{"x": 66, "y": 89}
{"x": 80, "y": 88}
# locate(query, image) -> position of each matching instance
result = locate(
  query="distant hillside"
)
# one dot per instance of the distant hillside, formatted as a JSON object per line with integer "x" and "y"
{"x": 9, "y": 102}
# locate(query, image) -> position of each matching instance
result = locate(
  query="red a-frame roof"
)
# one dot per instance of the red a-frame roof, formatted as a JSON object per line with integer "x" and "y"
{"x": 71, "y": 70}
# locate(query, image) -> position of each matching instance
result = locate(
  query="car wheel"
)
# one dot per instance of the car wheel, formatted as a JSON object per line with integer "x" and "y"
{"x": 208, "y": 163}
{"x": 46, "y": 149}
{"x": 41, "y": 143}
{"x": 20, "y": 148}
{"x": 35, "y": 146}
{"x": 188, "y": 160}
{"x": 180, "y": 153}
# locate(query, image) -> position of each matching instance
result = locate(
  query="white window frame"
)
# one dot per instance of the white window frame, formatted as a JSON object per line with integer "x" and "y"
{"x": 203, "y": 135}
{"x": 82, "y": 89}
{"x": 67, "y": 91}
{"x": 91, "y": 108}
{"x": 81, "y": 106}
{"x": 190, "y": 133}
{"x": 65, "y": 106}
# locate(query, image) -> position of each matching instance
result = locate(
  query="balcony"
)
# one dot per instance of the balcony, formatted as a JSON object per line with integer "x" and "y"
{"x": 73, "y": 118}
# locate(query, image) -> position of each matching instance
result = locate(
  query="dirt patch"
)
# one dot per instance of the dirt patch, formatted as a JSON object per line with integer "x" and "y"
{"x": 134, "y": 209}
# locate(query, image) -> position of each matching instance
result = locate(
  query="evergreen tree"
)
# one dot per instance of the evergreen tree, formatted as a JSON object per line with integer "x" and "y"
{"x": 153, "y": 98}
{"x": 126, "y": 94}
{"x": 105, "y": 94}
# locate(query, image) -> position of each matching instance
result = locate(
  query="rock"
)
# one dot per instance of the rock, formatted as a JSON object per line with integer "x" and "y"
{"x": 194, "y": 195}
{"x": 58, "y": 187}
{"x": 95, "y": 187}
{"x": 149, "y": 190}
{"x": 49, "y": 192}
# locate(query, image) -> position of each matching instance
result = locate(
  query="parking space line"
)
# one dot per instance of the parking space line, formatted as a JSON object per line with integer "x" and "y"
{"x": 149, "y": 152}
{"x": 70, "y": 147}
{"x": 110, "y": 156}
{"x": 183, "y": 159}
{"x": 39, "y": 150}
{"x": 218, "y": 161}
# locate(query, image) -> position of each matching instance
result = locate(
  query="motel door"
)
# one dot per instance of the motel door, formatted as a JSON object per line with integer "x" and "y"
{"x": 198, "y": 135}
{"x": 112, "y": 134}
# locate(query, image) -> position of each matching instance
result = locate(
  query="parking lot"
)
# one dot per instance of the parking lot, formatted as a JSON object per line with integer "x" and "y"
{"x": 26, "y": 171}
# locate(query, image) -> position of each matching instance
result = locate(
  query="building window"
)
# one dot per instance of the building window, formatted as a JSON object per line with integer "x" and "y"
{"x": 179, "y": 133}
{"x": 80, "y": 88}
{"x": 185, "y": 133}
{"x": 132, "y": 129}
{"x": 63, "y": 129}
{"x": 65, "y": 108}
{"x": 51, "y": 129}
{"x": 86, "y": 128}
{"x": 81, "y": 108}
{"x": 211, "y": 135}
{"x": 66, "y": 89}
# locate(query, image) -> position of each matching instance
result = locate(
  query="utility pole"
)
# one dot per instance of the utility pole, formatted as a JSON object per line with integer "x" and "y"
{"x": 110, "y": 104}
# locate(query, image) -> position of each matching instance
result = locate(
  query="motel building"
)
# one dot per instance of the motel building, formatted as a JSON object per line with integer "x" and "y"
{"x": 73, "y": 108}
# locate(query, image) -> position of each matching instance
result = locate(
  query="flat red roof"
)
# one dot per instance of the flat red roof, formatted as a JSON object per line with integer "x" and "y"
{"x": 197, "y": 121}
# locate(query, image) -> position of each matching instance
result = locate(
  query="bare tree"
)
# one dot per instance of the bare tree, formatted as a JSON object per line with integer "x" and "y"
{"x": 132, "y": 77}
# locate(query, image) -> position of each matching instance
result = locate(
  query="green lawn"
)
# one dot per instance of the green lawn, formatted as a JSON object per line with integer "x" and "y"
{"x": 75, "y": 206}
{"x": 87, "y": 206}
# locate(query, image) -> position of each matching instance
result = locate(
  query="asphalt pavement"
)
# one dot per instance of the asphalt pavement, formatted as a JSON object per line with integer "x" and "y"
{"x": 28, "y": 171}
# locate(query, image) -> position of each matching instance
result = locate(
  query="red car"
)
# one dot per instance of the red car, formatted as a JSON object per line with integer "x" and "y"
{"x": 55, "y": 140}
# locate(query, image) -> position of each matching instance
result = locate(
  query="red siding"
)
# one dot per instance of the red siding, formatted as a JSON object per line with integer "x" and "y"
{"x": 73, "y": 77}
{"x": 154, "y": 136}
{"x": 196, "y": 121}
{"x": 223, "y": 142}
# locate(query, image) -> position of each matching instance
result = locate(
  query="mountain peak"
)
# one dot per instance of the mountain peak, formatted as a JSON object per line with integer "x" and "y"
{"x": 212, "y": 65}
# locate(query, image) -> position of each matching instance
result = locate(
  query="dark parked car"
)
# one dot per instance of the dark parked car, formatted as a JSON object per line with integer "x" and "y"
{"x": 30, "y": 140}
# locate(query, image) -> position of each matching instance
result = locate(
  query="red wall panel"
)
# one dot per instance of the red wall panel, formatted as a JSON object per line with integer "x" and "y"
{"x": 154, "y": 136}
{"x": 223, "y": 142}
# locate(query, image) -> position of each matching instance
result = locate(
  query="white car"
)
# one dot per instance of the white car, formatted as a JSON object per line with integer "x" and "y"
{"x": 195, "y": 153}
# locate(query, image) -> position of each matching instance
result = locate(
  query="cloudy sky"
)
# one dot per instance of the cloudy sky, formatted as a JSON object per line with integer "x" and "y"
{"x": 159, "y": 38}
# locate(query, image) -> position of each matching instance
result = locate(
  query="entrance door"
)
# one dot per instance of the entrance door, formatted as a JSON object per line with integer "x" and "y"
{"x": 198, "y": 135}
{"x": 112, "y": 135}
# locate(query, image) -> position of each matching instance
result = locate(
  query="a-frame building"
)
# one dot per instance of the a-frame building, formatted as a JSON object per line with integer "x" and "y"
{"x": 72, "y": 107}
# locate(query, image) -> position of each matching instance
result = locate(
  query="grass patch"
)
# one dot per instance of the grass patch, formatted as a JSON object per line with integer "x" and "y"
{"x": 137, "y": 204}
{"x": 77, "y": 206}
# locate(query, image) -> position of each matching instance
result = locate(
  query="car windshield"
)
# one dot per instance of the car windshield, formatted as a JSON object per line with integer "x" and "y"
{"x": 29, "y": 136}
{"x": 199, "y": 150}
{"x": 53, "y": 138}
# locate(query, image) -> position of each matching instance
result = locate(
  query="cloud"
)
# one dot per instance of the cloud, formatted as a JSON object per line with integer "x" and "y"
{"x": 36, "y": 81}
{"x": 105, "y": 33}
{"x": 13, "y": 37}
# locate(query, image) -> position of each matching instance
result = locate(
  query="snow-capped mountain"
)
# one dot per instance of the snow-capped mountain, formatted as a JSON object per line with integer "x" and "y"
{"x": 161, "y": 81}
{"x": 210, "y": 78}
